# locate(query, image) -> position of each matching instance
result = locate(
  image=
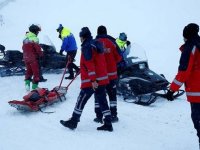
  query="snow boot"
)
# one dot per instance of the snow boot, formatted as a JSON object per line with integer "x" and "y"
{"x": 107, "y": 126}
{"x": 69, "y": 77}
{"x": 71, "y": 124}
{"x": 34, "y": 86}
{"x": 98, "y": 120}
{"x": 114, "y": 119}
{"x": 42, "y": 79}
{"x": 27, "y": 85}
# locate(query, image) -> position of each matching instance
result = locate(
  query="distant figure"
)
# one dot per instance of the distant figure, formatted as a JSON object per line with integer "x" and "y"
{"x": 69, "y": 46}
{"x": 189, "y": 73}
{"x": 123, "y": 44}
{"x": 31, "y": 54}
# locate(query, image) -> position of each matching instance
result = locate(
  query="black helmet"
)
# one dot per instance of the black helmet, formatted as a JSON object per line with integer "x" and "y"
{"x": 85, "y": 32}
{"x": 123, "y": 36}
{"x": 34, "y": 29}
{"x": 101, "y": 30}
{"x": 190, "y": 31}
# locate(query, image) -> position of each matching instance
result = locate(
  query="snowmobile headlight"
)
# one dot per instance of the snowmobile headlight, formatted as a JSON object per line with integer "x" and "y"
{"x": 142, "y": 66}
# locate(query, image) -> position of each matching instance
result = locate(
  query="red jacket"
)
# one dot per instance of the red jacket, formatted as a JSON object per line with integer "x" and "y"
{"x": 189, "y": 71}
{"x": 31, "y": 49}
{"x": 112, "y": 57}
{"x": 92, "y": 65}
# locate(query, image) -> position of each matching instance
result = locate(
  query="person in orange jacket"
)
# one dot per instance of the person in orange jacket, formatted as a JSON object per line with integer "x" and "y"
{"x": 189, "y": 73}
{"x": 112, "y": 57}
{"x": 94, "y": 79}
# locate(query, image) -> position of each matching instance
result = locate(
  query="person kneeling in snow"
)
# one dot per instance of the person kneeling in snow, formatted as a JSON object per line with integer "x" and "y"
{"x": 93, "y": 80}
{"x": 31, "y": 54}
{"x": 189, "y": 73}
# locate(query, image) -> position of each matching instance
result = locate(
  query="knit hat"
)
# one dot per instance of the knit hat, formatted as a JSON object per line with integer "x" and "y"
{"x": 85, "y": 32}
{"x": 190, "y": 31}
{"x": 101, "y": 30}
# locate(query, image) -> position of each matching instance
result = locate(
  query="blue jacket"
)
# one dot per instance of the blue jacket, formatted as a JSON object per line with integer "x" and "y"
{"x": 69, "y": 43}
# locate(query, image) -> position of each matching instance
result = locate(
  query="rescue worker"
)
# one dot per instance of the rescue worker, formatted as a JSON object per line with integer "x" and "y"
{"x": 123, "y": 44}
{"x": 93, "y": 80}
{"x": 70, "y": 47}
{"x": 31, "y": 54}
{"x": 189, "y": 72}
{"x": 112, "y": 58}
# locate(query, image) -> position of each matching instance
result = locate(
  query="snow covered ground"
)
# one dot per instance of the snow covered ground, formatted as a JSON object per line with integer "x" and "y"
{"x": 156, "y": 25}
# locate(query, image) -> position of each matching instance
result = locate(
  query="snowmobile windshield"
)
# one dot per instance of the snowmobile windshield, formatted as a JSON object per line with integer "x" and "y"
{"x": 47, "y": 45}
{"x": 134, "y": 54}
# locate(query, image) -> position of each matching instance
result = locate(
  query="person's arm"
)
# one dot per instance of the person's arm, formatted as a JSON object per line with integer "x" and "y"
{"x": 185, "y": 66}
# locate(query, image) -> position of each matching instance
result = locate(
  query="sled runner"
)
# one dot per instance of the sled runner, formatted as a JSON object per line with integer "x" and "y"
{"x": 137, "y": 83}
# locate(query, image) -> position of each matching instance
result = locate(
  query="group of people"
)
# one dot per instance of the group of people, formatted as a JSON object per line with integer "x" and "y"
{"x": 98, "y": 70}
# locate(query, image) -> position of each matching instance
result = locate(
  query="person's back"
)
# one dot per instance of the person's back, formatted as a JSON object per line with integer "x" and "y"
{"x": 88, "y": 49}
{"x": 31, "y": 48}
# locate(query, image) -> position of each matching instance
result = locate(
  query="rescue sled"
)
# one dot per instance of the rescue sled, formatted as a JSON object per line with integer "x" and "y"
{"x": 42, "y": 97}
{"x": 39, "y": 98}
{"x": 137, "y": 83}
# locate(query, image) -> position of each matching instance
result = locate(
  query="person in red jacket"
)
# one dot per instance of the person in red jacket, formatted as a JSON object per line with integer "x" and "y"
{"x": 112, "y": 57}
{"x": 31, "y": 54}
{"x": 94, "y": 79}
{"x": 189, "y": 72}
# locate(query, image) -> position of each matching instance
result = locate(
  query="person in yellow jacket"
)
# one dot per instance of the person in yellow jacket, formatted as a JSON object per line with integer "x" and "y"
{"x": 70, "y": 47}
{"x": 123, "y": 44}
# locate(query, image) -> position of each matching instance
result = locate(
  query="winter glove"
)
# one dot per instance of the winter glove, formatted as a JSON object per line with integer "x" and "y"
{"x": 169, "y": 95}
{"x": 128, "y": 43}
{"x": 61, "y": 52}
{"x": 59, "y": 36}
{"x": 94, "y": 85}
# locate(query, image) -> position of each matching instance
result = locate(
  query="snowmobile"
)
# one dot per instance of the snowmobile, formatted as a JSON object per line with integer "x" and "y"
{"x": 137, "y": 83}
{"x": 12, "y": 62}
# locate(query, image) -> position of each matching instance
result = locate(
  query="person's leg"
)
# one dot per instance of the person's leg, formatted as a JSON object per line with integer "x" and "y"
{"x": 28, "y": 76}
{"x": 101, "y": 97}
{"x": 97, "y": 110}
{"x": 69, "y": 60}
{"x": 195, "y": 115}
{"x": 36, "y": 74}
{"x": 112, "y": 94}
{"x": 82, "y": 99}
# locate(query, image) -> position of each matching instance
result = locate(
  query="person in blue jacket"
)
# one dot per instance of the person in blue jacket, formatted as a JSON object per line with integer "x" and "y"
{"x": 70, "y": 47}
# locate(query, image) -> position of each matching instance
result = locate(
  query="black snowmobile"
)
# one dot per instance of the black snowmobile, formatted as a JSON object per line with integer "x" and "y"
{"x": 137, "y": 83}
{"x": 11, "y": 61}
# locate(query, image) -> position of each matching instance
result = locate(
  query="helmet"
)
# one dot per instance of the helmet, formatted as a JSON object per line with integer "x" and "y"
{"x": 85, "y": 32}
{"x": 123, "y": 36}
{"x": 35, "y": 29}
{"x": 101, "y": 30}
{"x": 190, "y": 31}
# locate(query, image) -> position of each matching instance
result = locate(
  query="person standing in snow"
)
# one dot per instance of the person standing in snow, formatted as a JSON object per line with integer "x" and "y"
{"x": 68, "y": 45}
{"x": 189, "y": 73}
{"x": 112, "y": 58}
{"x": 31, "y": 54}
{"x": 93, "y": 80}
